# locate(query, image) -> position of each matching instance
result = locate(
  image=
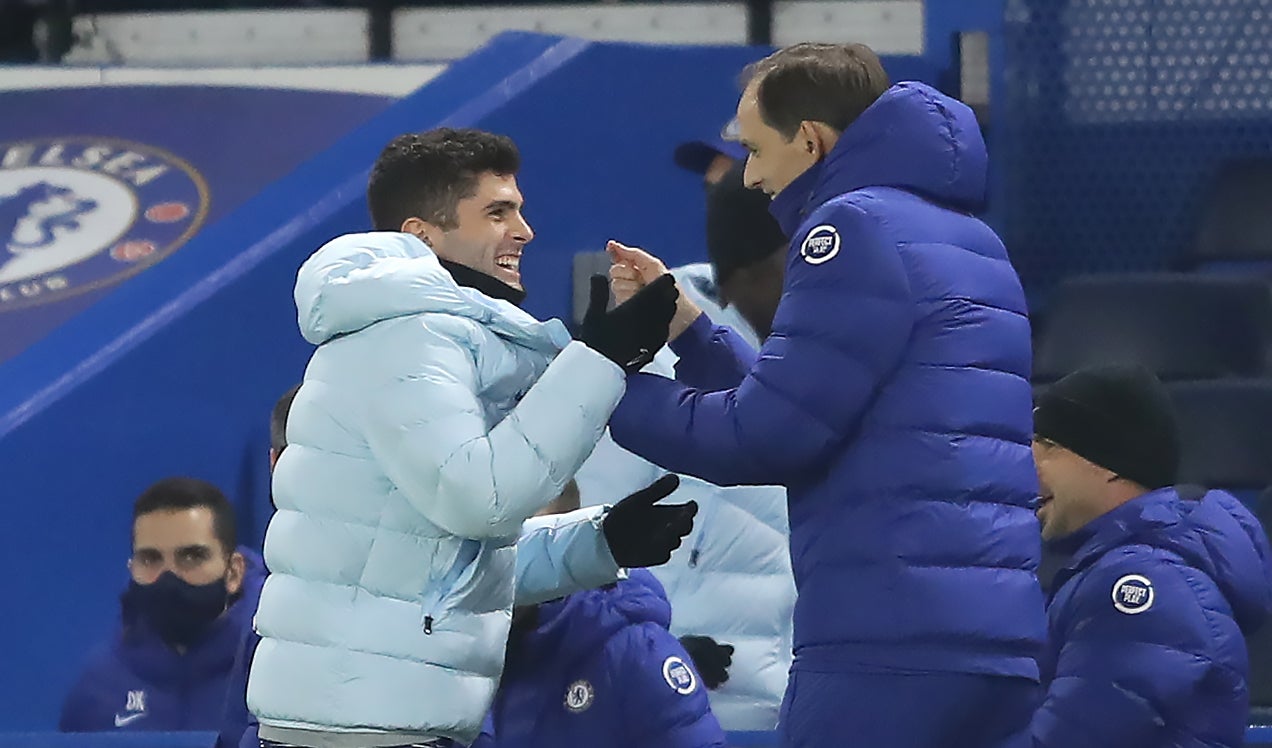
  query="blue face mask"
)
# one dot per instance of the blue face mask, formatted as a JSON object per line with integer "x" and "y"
{"x": 178, "y": 611}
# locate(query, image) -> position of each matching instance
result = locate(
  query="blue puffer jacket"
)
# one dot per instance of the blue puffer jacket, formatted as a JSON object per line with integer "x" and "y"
{"x": 600, "y": 668}
{"x": 1146, "y": 643}
{"x": 136, "y": 682}
{"x": 892, "y": 400}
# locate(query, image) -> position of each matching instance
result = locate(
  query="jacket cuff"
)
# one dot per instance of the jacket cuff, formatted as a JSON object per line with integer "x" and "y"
{"x": 695, "y": 337}
{"x": 578, "y": 353}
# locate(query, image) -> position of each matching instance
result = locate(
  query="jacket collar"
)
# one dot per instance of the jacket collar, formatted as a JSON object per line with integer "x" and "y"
{"x": 1144, "y": 514}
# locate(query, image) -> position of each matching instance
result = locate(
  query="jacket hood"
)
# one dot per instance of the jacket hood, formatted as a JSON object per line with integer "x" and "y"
{"x": 1216, "y": 534}
{"x": 357, "y": 280}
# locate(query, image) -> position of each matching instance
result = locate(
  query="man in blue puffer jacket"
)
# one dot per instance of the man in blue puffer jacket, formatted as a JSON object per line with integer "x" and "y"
{"x": 599, "y": 667}
{"x": 188, "y": 605}
{"x": 1147, "y": 623}
{"x": 891, "y": 399}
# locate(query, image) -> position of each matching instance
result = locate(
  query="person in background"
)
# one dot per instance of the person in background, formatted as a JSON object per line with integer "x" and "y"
{"x": 891, "y": 399}
{"x": 278, "y": 425}
{"x": 190, "y": 600}
{"x": 711, "y": 157}
{"x": 238, "y": 725}
{"x": 730, "y": 585}
{"x": 599, "y": 667}
{"x": 1148, "y": 620}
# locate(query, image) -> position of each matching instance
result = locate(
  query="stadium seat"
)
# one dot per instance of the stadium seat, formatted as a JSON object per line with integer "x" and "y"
{"x": 1183, "y": 327}
{"x": 1224, "y": 426}
{"x": 1235, "y": 227}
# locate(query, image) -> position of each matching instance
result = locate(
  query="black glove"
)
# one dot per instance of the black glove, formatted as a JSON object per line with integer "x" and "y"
{"x": 710, "y": 658}
{"x": 632, "y": 332}
{"x": 642, "y": 533}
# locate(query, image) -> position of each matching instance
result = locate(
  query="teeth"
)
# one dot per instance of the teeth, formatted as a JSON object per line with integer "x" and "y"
{"x": 507, "y": 262}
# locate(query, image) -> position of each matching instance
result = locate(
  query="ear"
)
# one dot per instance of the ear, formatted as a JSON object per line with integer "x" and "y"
{"x": 818, "y": 137}
{"x": 237, "y": 570}
{"x": 273, "y": 458}
{"x": 422, "y": 230}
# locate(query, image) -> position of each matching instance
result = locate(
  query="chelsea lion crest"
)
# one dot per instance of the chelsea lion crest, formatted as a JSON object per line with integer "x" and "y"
{"x": 83, "y": 213}
{"x": 579, "y": 696}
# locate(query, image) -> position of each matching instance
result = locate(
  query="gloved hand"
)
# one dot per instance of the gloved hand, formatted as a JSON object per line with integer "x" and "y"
{"x": 640, "y": 532}
{"x": 632, "y": 332}
{"x": 711, "y": 658}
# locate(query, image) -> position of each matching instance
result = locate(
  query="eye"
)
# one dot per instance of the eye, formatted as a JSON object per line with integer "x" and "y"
{"x": 147, "y": 557}
{"x": 188, "y": 557}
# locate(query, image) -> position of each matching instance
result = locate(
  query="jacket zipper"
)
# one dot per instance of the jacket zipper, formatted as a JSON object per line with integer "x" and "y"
{"x": 468, "y": 552}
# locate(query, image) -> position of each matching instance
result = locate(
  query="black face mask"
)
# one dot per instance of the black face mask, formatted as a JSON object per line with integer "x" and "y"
{"x": 178, "y": 611}
{"x": 487, "y": 284}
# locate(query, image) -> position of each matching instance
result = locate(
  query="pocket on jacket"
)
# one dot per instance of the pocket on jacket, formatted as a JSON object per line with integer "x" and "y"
{"x": 435, "y": 601}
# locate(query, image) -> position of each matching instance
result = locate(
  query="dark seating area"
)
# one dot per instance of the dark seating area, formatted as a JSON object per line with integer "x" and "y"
{"x": 1182, "y": 326}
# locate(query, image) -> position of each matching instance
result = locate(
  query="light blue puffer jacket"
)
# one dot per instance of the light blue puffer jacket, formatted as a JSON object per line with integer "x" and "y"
{"x": 432, "y": 422}
{"x": 731, "y": 579}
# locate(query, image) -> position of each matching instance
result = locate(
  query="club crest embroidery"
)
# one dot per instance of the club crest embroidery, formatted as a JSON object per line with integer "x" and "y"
{"x": 579, "y": 696}
{"x": 83, "y": 213}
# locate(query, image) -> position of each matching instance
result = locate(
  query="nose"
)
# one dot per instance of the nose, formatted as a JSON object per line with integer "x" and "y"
{"x": 749, "y": 177}
{"x": 521, "y": 230}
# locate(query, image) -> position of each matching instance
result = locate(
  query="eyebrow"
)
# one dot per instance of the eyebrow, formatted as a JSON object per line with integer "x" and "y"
{"x": 503, "y": 205}
{"x": 180, "y": 549}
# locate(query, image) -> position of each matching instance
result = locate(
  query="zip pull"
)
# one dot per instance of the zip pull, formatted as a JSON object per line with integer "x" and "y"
{"x": 693, "y": 558}
{"x": 428, "y": 624}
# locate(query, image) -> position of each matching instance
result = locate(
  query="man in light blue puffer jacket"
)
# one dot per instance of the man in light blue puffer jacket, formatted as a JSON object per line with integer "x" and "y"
{"x": 434, "y": 418}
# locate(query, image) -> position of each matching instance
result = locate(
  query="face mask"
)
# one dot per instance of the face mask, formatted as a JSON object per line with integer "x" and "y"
{"x": 177, "y": 610}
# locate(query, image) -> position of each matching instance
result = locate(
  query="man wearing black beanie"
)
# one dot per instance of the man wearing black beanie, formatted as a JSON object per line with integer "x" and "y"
{"x": 1146, "y": 623}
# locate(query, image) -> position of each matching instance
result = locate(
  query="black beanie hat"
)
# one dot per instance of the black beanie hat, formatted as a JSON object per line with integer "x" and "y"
{"x": 1118, "y": 417}
{"x": 740, "y": 229}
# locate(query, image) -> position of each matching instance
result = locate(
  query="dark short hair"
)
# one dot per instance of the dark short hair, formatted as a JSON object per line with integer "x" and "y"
{"x": 425, "y": 175}
{"x": 175, "y": 494}
{"x": 830, "y": 83}
{"x": 278, "y": 420}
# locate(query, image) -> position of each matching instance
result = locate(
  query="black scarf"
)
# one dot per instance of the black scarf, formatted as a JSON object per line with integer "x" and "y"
{"x": 487, "y": 284}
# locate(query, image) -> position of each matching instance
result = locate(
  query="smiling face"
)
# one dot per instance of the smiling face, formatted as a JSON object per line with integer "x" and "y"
{"x": 490, "y": 233}
{"x": 1072, "y": 490}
